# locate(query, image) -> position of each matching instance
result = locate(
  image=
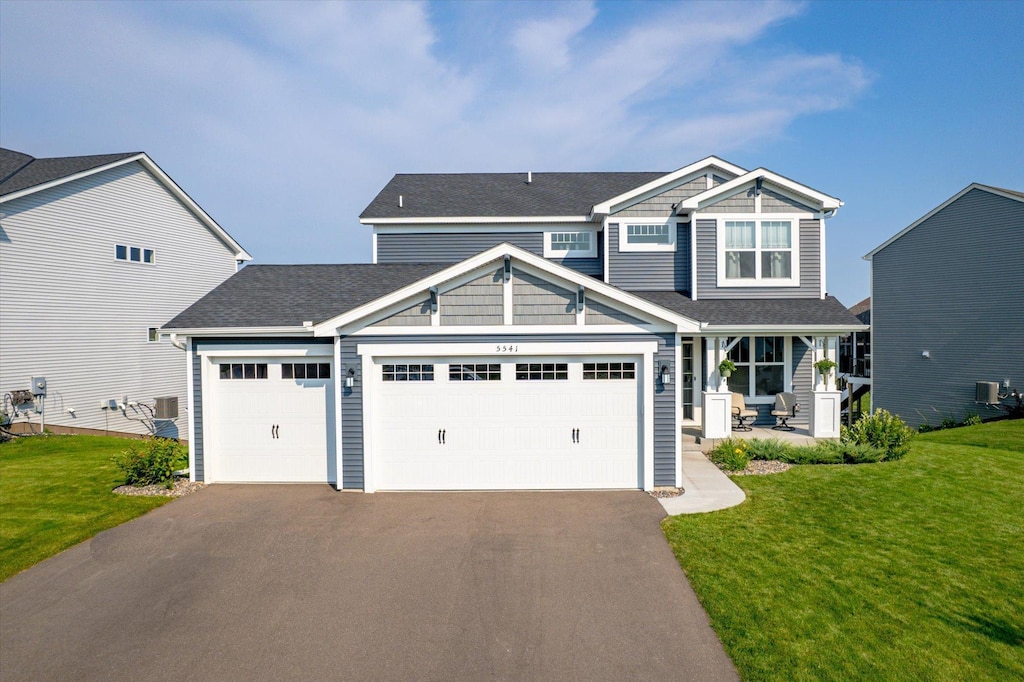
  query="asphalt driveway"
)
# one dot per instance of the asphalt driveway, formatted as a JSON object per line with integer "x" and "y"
{"x": 302, "y": 582}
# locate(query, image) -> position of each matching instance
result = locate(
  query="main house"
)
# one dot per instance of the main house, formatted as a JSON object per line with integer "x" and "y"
{"x": 947, "y": 310}
{"x": 518, "y": 331}
{"x": 96, "y": 252}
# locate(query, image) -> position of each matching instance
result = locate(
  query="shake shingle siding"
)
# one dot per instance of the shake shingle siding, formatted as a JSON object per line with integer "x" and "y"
{"x": 952, "y": 286}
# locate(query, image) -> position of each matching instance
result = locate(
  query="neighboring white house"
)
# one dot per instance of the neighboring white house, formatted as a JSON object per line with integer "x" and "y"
{"x": 947, "y": 310}
{"x": 96, "y": 252}
{"x": 521, "y": 330}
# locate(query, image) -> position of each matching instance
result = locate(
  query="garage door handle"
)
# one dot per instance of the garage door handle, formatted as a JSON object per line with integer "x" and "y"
{"x": 575, "y": 435}
{"x": 440, "y": 436}
{"x": 443, "y": 436}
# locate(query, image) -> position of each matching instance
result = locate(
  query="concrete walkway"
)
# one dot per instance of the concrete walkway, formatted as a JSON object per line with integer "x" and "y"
{"x": 706, "y": 488}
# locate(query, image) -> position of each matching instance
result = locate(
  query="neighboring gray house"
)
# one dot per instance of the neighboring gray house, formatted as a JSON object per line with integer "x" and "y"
{"x": 947, "y": 308}
{"x": 520, "y": 331}
{"x": 96, "y": 252}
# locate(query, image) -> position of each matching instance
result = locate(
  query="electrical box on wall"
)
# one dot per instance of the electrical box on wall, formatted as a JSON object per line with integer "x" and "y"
{"x": 166, "y": 408}
{"x": 108, "y": 404}
{"x": 21, "y": 397}
{"x": 38, "y": 385}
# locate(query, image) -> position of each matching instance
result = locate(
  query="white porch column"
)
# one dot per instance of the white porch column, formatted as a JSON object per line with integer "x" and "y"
{"x": 716, "y": 417}
{"x": 826, "y": 401}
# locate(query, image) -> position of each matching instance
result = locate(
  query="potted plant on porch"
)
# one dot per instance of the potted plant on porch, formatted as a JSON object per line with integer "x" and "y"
{"x": 824, "y": 367}
{"x": 726, "y": 368}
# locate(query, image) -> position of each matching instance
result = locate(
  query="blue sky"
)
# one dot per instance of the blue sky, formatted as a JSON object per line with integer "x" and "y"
{"x": 284, "y": 120}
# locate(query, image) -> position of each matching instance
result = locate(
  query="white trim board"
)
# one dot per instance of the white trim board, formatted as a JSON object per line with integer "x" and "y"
{"x": 703, "y": 199}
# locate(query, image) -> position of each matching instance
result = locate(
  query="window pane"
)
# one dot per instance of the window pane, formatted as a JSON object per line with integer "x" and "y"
{"x": 776, "y": 264}
{"x": 250, "y": 370}
{"x": 225, "y": 371}
{"x": 153, "y": 334}
{"x": 136, "y": 253}
{"x": 741, "y": 351}
{"x": 325, "y": 370}
{"x": 286, "y": 371}
{"x": 261, "y": 370}
{"x": 147, "y": 255}
{"x": 740, "y": 264}
{"x": 740, "y": 380}
{"x": 570, "y": 241}
{"x": 776, "y": 234}
{"x": 236, "y": 371}
{"x": 739, "y": 234}
{"x": 768, "y": 380}
{"x": 300, "y": 370}
{"x": 311, "y": 372}
{"x": 647, "y": 234}
{"x": 121, "y": 252}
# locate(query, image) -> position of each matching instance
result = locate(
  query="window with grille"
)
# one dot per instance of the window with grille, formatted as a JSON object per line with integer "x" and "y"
{"x": 542, "y": 371}
{"x": 407, "y": 372}
{"x": 474, "y": 372}
{"x": 243, "y": 370}
{"x": 306, "y": 370}
{"x": 609, "y": 370}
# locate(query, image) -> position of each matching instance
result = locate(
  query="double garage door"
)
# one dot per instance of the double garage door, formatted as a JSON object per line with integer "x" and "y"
{"x": 494, "y": 423}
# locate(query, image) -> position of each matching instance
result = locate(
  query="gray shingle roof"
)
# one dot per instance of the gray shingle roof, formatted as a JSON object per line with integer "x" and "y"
{"x": 781, "y": 311}
{"x": 288, "y": 295}
{"x": 20, "y": 171}
{"x": 449, "y": 195}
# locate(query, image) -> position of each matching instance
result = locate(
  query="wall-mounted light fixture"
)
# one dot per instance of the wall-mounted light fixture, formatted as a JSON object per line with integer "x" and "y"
{"x": 581, "y": 299}
{"x": 664, "y": 375}
{"x": 350, "y": 378}
{"x": 508, "y": 267}
{"x": 433, "y": 299}
{"x": 926, "y": 354}
{"x": 71, "y": 411}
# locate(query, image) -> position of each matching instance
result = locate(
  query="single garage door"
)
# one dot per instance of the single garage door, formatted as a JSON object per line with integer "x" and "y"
{"x": 269, "y": 420}
{"x": 495, "y": 424}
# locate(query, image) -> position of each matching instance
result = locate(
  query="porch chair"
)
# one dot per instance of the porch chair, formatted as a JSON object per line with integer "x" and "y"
{"x": 785, "y": 409}
{"x": 741, "y": 413}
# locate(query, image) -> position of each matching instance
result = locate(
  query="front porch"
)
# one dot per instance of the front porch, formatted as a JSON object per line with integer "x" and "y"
{"x": 801, "y": 435}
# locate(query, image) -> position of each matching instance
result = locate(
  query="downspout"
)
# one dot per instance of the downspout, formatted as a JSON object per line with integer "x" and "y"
{"x": 177, "y": 343}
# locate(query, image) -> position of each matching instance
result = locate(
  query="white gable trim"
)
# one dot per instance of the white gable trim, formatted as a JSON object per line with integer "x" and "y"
{"x": 163, "y": 178}
{"x": 469, "y": 220}
{"x": 683, "y": 324}
{"x": 655, "y": 186}
{"x": 974, "y": 185}
{"x": 701, "y": 200}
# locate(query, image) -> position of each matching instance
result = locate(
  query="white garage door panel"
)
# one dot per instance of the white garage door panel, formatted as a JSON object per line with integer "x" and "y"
{"x": 506, "y": 434}
{"x": 242, "y": 444}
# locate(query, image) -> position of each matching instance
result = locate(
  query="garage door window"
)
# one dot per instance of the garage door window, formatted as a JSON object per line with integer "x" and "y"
{"x": 542, "y": 371}
{"x": 408, "y": 372}
{"x": 474, "y": 372}
{"x": 247, "y": 370}
{"x": 306, "y": 370}
{"x": 609, "y": 370}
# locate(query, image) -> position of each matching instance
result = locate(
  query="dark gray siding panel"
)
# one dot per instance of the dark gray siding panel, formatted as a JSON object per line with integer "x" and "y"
{"x": 454, "y": 247}
{"x": 773, "y": 202}
{"x": 197, "y": 415}
{"x": 954, "y": 286}
{"x": 664, "y": 396}
{"x": 810, "y": 266}
{"x": 650, "y": 271}
{"x": 741, "y": 202}
{"x": 665, "y": 426}
{"x": 476, "y": 302}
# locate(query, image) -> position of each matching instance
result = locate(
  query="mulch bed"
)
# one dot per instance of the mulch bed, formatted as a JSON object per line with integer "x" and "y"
{"x": 182, "y": 487}
{"x": 759, "y": 467}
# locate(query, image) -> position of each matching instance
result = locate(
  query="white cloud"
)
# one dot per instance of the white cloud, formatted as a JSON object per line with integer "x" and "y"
{"x": 284, "y": 119}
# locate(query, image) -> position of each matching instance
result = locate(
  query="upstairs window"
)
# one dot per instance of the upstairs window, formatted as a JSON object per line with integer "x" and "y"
{"x": 575, "y": 244}
{"x": 134, "y": 254}
{"x": 647, "y": 236}
{"x": 757, "y": 253}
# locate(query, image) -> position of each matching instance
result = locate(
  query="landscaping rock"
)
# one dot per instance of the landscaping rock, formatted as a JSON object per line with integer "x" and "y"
{"x": 182, "y": 487}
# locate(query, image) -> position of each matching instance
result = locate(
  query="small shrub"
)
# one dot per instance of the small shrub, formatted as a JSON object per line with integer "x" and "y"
{"x": 152, "y": 462}
{"x": 732, "y": 454}
{"x": 825, "y": 452}
{"x": 768, "y": 449}
{"x": 925, "y": 428}
{"x": 972, "y": 419}
{"x": 949, "y": 422}
{"x": 882, "y": 430}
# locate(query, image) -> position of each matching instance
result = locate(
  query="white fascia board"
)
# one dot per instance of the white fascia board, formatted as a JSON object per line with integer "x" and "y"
{"x": 468, "y": 220}
{"x": 605, "y": 207}
{"x": 438, "y": 228}
{"x": 683, "y": 324}
{"x": 765, "y": 329}
{"x": 163, "y": 178}
{"x": 516, "y": 330}
{"x": 826, "y": 202}
{"x": 208, "y": 332}
{"x": 944, "y": 204}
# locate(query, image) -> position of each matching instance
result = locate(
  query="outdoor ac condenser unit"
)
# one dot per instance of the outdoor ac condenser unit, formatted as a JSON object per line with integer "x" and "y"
{"x": 166, "y": 408}
{"x": 987, "y": 392}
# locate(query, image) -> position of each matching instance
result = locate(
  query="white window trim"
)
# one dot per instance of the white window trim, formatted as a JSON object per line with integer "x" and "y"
{"x": 128, "y": 254}
{"x": 626, "y": 247}
{"x": 549, "y": 252}
{"x": 792, "y": 281}
{"x": 787, "y": 370}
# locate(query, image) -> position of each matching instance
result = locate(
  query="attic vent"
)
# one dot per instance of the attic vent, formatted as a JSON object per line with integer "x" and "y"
{"x": 529, "y": 177}
{"x": 399, "y": 201}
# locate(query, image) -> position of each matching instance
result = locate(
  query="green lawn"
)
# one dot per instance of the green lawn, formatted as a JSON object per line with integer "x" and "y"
{"x": 902, "y": 570}
{"x": 55, "y": 492}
